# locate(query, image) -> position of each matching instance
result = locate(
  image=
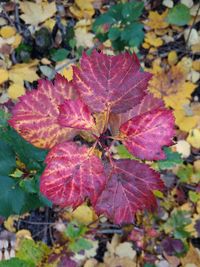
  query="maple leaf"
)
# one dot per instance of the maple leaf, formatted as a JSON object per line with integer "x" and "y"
{"x": 110, "y": 82}
{"x": 171, "y": 86}
{"x": 157, "y": 21}
{"x": 34, "y": 117}
{"x": 128, "y": 191}
{"x": 148, "y": 103}
{"x": 35, "y": 13}
{"x": 75, "y": 114}
{"x": 72, "y": 174}
{"x": 145, "y": 135}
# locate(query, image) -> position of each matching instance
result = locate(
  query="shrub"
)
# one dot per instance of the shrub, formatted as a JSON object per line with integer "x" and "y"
{"x": 106, "y": 101}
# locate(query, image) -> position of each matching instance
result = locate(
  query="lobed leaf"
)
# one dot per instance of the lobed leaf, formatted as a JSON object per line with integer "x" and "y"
{"x": 110, "y": 82}
{"x": 148, "y": 103}
{"x": 128, "y": 190}
{"x": 146, "y": 134}
{"x": 71, "y": 175}
{"x": 75, "y": 114}
{"x": 35, "y": 115}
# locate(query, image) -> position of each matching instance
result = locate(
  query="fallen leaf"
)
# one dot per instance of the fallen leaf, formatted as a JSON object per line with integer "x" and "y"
{"x": 3, "y": 75}
{"x": 184, "y": 148}
{"x": 24, "y": 72}
{"x": 194, "y": 138}
{"x": 7, "y": 31}
{"x": 172, "y": 58}
{"x": 16, "y": 90}
{"x": 125, "y": 250}
{"x": 84, "y": 214}
{"x": 192, "y": 256}
{"x": 82, "y": 9}
{"x": 153, "y": 40}
{"x": 84, "y": 38}
{"x": 156, "y": 20}
{"x": 35, "y": 13}
{"x": 9, "y": 223}
{"x": 172, "y": 86}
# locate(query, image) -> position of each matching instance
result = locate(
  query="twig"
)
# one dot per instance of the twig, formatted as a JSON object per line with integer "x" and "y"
{"x": 18, "y": 24}
{"x": 66, "y": 64}
{"x": 110, "y": 231}
{"x": 44, "y": 239}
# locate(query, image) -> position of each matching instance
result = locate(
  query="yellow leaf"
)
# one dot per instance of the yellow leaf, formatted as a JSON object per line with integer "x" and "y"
{"x": 49, "y": 23}
{"x": 7, "y": 32}
{"x": 68, "y": 72}
{"x": 194, "y": 138}
{"x": 84, "y": 38}
{"x": 153, "y": 40}
{"x": 172, "y": 58}
{"x": 3, "y": 75}
{"x": 17, "y": 40}
{"x": 82, "y": 9}
{"x": 84, "y": 214}
{"x": 16, "y": 90}
{"x": 9, "y": 223}
{"x": 156, "y": 20}
{"x": 24, "y": 72}
{"x": 35, "y": 13}
{"x": 145, "y": 46}
{"x": 196, "y": 65}
{"x": 171, "y": 85}
{"x": 185, "y": 122}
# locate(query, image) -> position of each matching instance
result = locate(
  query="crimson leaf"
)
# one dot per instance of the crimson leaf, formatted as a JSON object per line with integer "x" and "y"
{"x": 146, "y": 134}
{"x": 35, "y": 116}
{"x": 72, "y": 174}
{"x": 75, "y": 114}
{"x": 110, "y": 82}
{"x": 128, "y": 190}
{"x": 148, "y": 103}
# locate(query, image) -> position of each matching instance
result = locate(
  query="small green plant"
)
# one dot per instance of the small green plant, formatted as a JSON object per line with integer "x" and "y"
{"x": 20, "y": 167}
{"x": 121, "y": 25}
{"x": 75, "y": 232}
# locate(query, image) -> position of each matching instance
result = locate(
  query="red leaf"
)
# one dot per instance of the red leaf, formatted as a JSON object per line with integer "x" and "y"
{"x": 146, "y": 134}
{"x": 128, "y": 190}
{"x": 110, "y": 82}
{"x": 75, "y": 114}
{"x": 71, "y": 175}
{"x": 148, "y": 103}
{"x": 35, "y": 115}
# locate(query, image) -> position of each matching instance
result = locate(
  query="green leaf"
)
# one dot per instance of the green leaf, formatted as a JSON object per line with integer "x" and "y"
{"x": 184, "y": 173}
{"x": 194, "y": 196}
{"x": 80, "y": 244}
{"x": 176, "y": 224}
{"x": 123, "y": 152}
{"x": 133, "y": 34}
{"x": 15, "y": 262}
{"x": 12, "y": 198}
{"x": 31, "y": 156}
{"x": 59, "y": 54}
{"x": 74, "y": 230}
{"x": 172, "y": 159}
{"x": 114, "y": 33}
{"x": 32, "y": 252}
{"x": 103, "y": 19}
{"x": 132, "y": 11}
{"x": 7, "y": 159}
{"x": 179, "y": 15}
